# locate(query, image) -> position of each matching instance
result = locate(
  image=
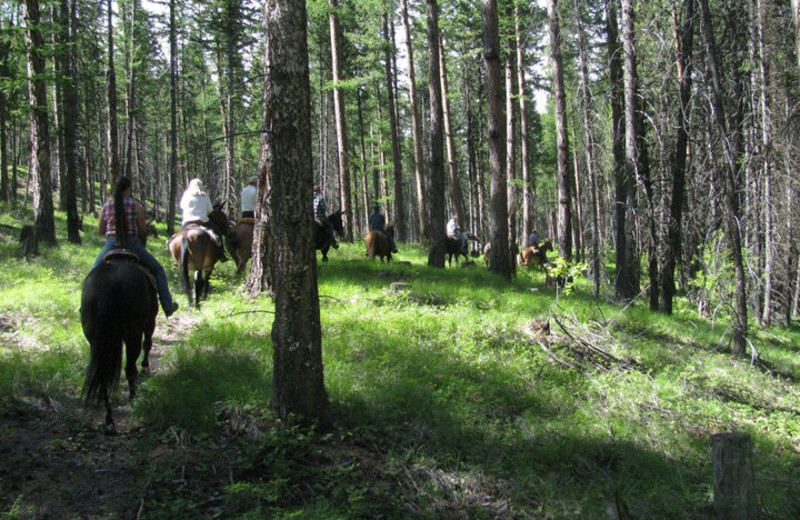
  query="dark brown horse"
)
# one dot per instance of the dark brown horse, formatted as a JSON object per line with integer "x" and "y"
{"x": 322, "y": 241}
{"x": 194, "y": 249}
{"x": 240, "y": 242}
{"x": 118, "y": 305}
{"x": 535, "y": 255}
{"x": 454, "y": 248}
{"x": 378, "y": 244}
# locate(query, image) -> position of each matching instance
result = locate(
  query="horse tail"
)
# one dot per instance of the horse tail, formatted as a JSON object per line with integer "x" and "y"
{"x": 183, "y": 267}
{"x": 102, "y": 376}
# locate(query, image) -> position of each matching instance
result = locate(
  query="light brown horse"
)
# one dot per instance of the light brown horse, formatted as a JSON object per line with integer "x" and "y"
{"x": 194, "y": 249}
{"x": 378, "y": 244}
{"x": 533, "y": 255}
{"x": 240, "y": 242}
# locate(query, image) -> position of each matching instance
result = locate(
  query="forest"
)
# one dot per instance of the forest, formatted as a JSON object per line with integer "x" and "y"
{"x": 654, "y": 144}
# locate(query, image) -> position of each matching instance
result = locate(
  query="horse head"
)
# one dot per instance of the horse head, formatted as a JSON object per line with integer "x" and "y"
{"x": 219, "y": 217}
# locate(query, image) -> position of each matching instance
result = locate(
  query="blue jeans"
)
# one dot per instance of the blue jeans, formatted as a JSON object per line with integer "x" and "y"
{"x": 133, "y": 245}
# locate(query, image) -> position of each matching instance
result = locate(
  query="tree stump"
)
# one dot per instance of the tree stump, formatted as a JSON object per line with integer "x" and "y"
{"x": 732, "y": 467}
{"x": 29, "y": 241}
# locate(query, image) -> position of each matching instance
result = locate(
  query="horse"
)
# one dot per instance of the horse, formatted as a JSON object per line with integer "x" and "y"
{"x": 322, "y": 241}
{"x": 193, "y": 247}
{"x": 118, "y": 304}
{"x": 533, "y": 255}
{"x": 240, "y": 242}
{"x": 379, "y": 244}
{"x": 453, "y": 248}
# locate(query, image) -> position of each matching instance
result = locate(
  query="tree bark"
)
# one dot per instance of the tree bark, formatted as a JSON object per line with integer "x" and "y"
{"x": 636, "y": 159}
{"x": 735, "y": 496}
{"x": 511, "y": 150}
{"x": 416, "y": 129}
{"x": 70, "y": 124}
{"x": 627, "y": 259}
{"x": 501, "y": 258}
{"x": 684, "y": 35}
{"x": 5, "y": 73}
{"x": 296, "y": 331}
{"x": 436, "y": 226}
{"x": 562, "y": 141}
{"x": 40, "y": 130}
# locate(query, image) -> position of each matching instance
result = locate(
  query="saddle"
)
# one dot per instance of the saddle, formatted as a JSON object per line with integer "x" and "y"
{"x": 124, "y": 255}
{"x": 214, "y": 237}
{"x": 247, "y": 220}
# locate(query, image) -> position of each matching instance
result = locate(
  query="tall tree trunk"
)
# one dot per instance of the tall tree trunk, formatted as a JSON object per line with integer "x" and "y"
{"x": 730, "y": 175}
{"x": 436, "y": 252}
{"x": 57, "y": 155}
{"x": 398, "y": 218}
{"x": 684, "y": 35}
{"x": 595, "y": 263}
{"x": 40, "y": 130}
{"x": 173, "y": 117}
{"x": 416, "y": 129}
{"x": 340, "y": 109}
{"x": 70, "y": 123}
{"x": 525, "y": 159}
{"x": 456, "y": 196}
{"x": 796, "y": 19}
{"x": 766, "y": 161}
{"x": 627, "y": 259}
{"x": 501, "y": 259}
{"x": 562, "y": 141}
{"x": 296, "y": 331}
{"x": 511, "y": 150}
{"x": 5, "y": 74}
{"x": 636, "y": 160}
{"x": 113, "y": 130}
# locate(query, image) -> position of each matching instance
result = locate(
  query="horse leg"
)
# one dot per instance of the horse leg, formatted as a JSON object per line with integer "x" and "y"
{"x": 207, "y": 282}
{"x": 133, "y": 347}
{"x": 147, "y": 345}
{"x": 198, "y": 287}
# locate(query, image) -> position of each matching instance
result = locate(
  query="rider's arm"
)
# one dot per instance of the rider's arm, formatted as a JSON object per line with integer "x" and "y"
{"x": 101, "y": 225}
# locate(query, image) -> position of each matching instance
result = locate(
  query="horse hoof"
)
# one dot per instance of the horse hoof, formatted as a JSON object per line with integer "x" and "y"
{"x": 110, "y": 430}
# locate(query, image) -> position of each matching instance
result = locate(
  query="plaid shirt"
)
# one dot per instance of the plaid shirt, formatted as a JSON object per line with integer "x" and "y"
{"x": 130, "y": 216}
{"x": 320, "y": 207}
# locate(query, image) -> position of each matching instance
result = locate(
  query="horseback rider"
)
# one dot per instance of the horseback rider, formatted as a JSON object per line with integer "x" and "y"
{"x": 377, "y": 222}
{"x": 196, "y": 206}
{"x": 249, "y": 197}
{"x": 533, "y": 239}
{"x": 321, "y": 216}
{"x": 128, "y": 212}
{"x": 455, "y": 233}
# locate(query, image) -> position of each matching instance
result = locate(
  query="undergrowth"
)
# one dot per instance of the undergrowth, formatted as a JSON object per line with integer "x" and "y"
{"x": 454, "y": 395}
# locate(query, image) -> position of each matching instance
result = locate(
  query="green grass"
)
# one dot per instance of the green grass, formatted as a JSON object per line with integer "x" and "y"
{"x": 443, "y": 403}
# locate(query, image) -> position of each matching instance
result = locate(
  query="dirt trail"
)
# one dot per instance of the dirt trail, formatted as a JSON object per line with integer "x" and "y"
{"x": 55, "y": 460}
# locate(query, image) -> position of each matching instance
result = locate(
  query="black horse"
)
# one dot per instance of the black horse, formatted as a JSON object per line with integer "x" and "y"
{"x": 454, "y": 248}
{"x": 322, "y": 239}
{"x": 118, "y": 304}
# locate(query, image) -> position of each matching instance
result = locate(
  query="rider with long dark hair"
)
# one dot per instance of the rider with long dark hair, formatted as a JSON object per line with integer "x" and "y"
{"x": 121, "y": 222}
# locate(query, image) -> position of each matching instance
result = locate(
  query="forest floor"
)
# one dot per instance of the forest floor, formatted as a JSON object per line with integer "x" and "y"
{"x": 55, "y": 454}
